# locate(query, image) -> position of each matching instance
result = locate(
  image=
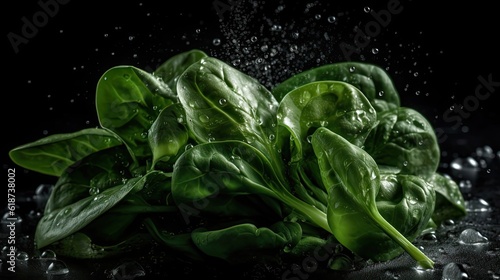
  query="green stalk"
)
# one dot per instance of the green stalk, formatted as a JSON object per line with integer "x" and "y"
{"x": 422, "y": 260}
{"x": 312, "y": 213}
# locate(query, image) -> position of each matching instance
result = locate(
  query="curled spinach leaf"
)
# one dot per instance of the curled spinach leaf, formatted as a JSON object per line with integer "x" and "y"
{"x": 336, "y": 105}
{"x": 92, "y": 174}
{"x": 405, "y": 141}
{"x": 222, "y": 103}
{"x": 354, "y": 181}
{"x": 127, "y": 103}
{"x": 168, "y": 134}
{"x": 450, "y": 203}
{"x": 69, "y": 219}
{"x": 370, "y": 79}
{"x": 170, "y": 70}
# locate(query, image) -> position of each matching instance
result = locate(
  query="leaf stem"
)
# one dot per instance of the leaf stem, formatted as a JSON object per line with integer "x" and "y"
{"x": 423, "y": 261}
{"x": 312, "y": 213}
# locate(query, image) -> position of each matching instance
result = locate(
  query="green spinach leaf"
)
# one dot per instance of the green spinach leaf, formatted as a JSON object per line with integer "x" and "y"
{"x": 370, "y": 79}
{"x": 354, "y": 181}
{"x": 51, "y": 155}
{"x": 128, "y": 102}
{"x": 404, "y": 140}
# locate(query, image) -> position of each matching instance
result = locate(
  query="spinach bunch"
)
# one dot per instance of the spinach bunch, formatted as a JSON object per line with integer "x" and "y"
{"x": 205, "y": 160}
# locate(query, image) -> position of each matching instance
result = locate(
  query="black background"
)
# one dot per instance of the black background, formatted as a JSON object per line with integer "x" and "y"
{"x": 434, "y": 53}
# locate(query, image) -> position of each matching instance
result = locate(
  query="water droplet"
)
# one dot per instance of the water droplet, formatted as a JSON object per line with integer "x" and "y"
{"x": 216, "y": 41}
{"x": 48, "y": 254}
{"x": 465, "y": 168}
{"x": 367, "y": 9}
{"x": 309, "y": 138}
{"x": 471, "y": 236}
{"x": 287, "y": 248}
{"x": 204, "y": 118}
{"x": 42, "y": 194}
{"x": 374, "y": 51}
{"x": 22, "y": 256}
{"x": 352, "y": 69}
{"x": 430, "y": 236}
{"x": 405, "y": 163}
{"x": 465, "y": 186}
{"x": 412, "y": 200}
{"x": 94, "y": 190}
{"x": 57, "y": 267}
{"x": 304, "y": 97}
{"x": 477, "y": 205}
{"x": 317, "y": 17}
{"x": 271, "y": 137}
{"x": 222, "y": 102}
{"x": 453, "y": 271}
{"x": 128, "y": 270}
{"x": 188, "y": 146}
{"x": 332, "y": 19}
{"x": 236, "y": 62}
{"x": 449, "y": 222}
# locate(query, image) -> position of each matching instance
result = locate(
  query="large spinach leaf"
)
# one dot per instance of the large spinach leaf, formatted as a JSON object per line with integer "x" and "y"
{"x": 69, "y": 219}
{"x": 372, "y": 80}
{"x": 51, "y": 155}
{"x": 128, "y": 103}
{"x": 405, "y": 141}
{"x": 354, "y": 181}
{"x": 222, "y": 103}
{"x": 170, "y": 70}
